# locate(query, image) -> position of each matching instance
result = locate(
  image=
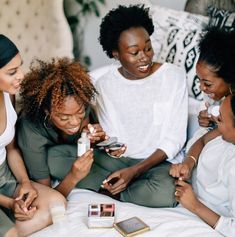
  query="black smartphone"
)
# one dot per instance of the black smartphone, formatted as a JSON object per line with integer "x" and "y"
{"x": 113, "y": 181}
{"x": 115, "y": 146}
{"x": 107, "y": 142}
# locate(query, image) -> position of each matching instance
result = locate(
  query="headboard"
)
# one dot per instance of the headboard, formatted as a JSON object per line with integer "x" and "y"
{"x": 38, "y": 28}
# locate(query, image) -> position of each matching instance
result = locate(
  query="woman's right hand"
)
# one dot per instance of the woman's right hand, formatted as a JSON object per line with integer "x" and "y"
{"x": 204, "y": 119}
{"x": 182, "y": 171}
{"x": 82, "y": 165}
{"x": 21, "y": 214}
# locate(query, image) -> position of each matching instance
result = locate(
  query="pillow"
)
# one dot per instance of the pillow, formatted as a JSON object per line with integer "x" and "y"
{"x": 180, "y": 47}
{"x": 221, "y": 18}
{"x": 164, "y": 17}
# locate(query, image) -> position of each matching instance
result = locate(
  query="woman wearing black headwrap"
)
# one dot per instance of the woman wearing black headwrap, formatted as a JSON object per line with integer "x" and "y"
{"x": 21, "y": 201}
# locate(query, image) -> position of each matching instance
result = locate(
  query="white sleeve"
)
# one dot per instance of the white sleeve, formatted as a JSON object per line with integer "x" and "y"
{"x": 226, "y": 225}
{"x": 175, "y": 130}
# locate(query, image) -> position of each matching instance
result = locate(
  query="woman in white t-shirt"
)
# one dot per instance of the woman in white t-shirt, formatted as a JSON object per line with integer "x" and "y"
{"x": 215, "y": 69}
{"x": 212, "y": 195}
{"x": 21, "y": 201}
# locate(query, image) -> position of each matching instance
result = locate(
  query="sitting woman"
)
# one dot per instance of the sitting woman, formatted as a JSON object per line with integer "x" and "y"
{"x": 21, "y": 200}
{"x": 215, "y": 69}
{"x": 56, "y": 97}
{"x": 145, "y": 105}
{"x": 212, "y": 197}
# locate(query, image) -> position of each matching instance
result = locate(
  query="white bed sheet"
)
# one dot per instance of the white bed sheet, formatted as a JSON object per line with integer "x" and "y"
{"x": 164, "y": 222}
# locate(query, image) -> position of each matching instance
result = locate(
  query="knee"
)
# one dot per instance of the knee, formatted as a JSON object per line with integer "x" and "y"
{"x": 12, "y": 232}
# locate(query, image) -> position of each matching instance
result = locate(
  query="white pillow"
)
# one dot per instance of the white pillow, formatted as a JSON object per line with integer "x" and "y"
{"x": 164, "y": 17}
{"x": 180, "y": 47}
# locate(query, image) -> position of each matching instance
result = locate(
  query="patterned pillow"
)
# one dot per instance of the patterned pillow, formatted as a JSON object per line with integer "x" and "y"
{"x": 221, "y": 18}
{"x": 164, "y": 17}
{"x": 181, "y": 48}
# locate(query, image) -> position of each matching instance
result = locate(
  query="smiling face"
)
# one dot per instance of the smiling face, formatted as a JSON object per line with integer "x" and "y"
{"x": 11, "y": 75}
{"x": 69, "y": 117}
{"x": 225, "y": 121}
{"x": 215, "y": 87}
{"x": 135, "y": 53}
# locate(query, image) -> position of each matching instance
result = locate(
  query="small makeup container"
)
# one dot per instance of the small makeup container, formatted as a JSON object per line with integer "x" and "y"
{"x": 101, "y": 215}
{"x": 213, "y": 110}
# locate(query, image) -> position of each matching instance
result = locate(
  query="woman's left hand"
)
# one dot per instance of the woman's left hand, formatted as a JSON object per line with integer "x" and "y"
{"x": 123, "y": 176}
{"x": 27, "y": 193}
{"x": 96, "y": 133}
{"x": 185, "y": 196}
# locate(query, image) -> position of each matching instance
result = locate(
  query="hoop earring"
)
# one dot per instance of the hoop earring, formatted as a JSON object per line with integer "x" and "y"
{"x": 46, "y": 122}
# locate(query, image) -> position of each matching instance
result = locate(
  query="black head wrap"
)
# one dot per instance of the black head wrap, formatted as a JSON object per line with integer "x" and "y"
{"x": 8, "y": 50}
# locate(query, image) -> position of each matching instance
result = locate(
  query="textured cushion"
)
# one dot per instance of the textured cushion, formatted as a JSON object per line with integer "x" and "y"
{"x": 180, "y": 47}
{"x": 164, "y": 17}
{"x": 221, "y": 18}
{"x": 38, "y": 28}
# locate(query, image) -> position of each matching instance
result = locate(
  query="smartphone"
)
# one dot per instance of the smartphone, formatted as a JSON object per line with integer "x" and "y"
{"x": 115, "y": 146}
{"x": 113, "y": 181}
{"x": 107, "y": 142}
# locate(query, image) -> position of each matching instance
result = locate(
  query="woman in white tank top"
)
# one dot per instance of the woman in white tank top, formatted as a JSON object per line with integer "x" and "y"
{"x": 28, "y": 202}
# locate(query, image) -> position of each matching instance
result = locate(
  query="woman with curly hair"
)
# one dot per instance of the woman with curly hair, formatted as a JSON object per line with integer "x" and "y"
{"x": 24, "y": 205}
{"x": 145, "y": 105}
{"x": 56, "y": 108}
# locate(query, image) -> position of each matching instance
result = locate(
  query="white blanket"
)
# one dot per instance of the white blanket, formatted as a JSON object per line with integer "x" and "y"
{"x": 164, "y": 222}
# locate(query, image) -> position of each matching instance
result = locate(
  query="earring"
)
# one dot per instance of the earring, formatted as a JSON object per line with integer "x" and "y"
{"x": 46, "y": 122}
{"x": 231, "y": 89}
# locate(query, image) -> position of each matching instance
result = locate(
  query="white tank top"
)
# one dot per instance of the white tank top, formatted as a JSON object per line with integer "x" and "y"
{"x": 7, "y": 136}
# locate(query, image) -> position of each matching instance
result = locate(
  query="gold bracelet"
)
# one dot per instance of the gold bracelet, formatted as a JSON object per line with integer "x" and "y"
{"x": 194, "y": 159}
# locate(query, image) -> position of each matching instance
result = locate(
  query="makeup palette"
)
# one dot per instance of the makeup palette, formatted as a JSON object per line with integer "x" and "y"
{"x": 101, "y": 215}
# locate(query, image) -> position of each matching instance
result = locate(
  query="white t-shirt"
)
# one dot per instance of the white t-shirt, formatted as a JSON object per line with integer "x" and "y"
{"x": 146, "y": 114}
{"x": 7, "y": 136}
{"x": 214, "y": 182}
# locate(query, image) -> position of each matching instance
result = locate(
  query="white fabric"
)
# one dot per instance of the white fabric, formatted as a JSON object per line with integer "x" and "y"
{"x": 9, "y": 132}
{"x": 214, "y": 182}
{"x": 146, "y": 114}
{"x": 163, "y": 222}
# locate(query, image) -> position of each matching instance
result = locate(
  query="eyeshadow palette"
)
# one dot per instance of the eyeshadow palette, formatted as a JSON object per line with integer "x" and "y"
{"x": 101, "y": 215}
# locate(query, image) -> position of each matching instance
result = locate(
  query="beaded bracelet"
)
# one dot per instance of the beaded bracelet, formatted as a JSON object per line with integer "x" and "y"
{"x": 194, "y": 159}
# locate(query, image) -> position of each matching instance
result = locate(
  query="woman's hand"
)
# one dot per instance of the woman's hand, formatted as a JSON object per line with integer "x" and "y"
{"x": 96, "y": 133}
{"x": 20, "y": 213}
{"x": 182, "y": 171}
{"x": 185, "y": 196}
{"x": 26, "y": 195}
{"x": 123, "y": 177}
{"x": 117, "y": 153}
{"x": 82, "y": 165}
{"x": 204, "y": 119}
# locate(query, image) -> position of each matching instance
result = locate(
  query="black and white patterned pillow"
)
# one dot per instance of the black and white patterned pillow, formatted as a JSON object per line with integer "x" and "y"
{"x": 181, "y": 48}
{"x": 221, "y": 18}
{"x": 164, "y": 17}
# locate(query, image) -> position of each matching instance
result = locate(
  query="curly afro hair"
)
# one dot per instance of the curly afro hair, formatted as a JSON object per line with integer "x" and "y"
{"x": 217, "y": 49}
{"x": 48, "y": 84}
{"x": 119, "y": 20}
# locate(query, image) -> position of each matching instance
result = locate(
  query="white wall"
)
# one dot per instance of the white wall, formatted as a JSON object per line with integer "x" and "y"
{"x": 92, "y": 47}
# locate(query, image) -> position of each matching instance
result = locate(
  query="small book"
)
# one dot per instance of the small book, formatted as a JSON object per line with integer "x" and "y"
{"x": 131, "y": 227}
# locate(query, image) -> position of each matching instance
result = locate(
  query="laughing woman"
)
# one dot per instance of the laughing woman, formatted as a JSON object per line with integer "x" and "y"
{"x": 21, "y": 200}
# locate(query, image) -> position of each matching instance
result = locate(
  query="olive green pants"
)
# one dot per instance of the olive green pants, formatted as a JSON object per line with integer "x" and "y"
{"x": 153, "y": 188}
{"x": 7, "y": 187}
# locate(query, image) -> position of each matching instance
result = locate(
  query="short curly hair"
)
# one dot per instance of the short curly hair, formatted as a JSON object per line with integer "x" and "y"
{"x": 48, "y": 84}
{"x": 217, "y": 49}
{"x": 119, "y": 20}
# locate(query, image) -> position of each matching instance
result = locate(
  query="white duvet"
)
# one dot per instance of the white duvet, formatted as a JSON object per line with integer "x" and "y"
{"x": 164, "y": 222}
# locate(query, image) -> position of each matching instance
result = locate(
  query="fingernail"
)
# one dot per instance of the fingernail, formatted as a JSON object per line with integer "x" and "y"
{"x": 91, "y": 129}
{"x": 105, "y": 181}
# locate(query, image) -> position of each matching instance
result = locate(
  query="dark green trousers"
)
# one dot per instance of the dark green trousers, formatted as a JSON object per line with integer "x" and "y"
{"x": 153, "y": 188}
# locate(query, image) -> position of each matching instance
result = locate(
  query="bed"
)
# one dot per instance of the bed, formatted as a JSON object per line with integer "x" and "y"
{"x": 163, "y": 222}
